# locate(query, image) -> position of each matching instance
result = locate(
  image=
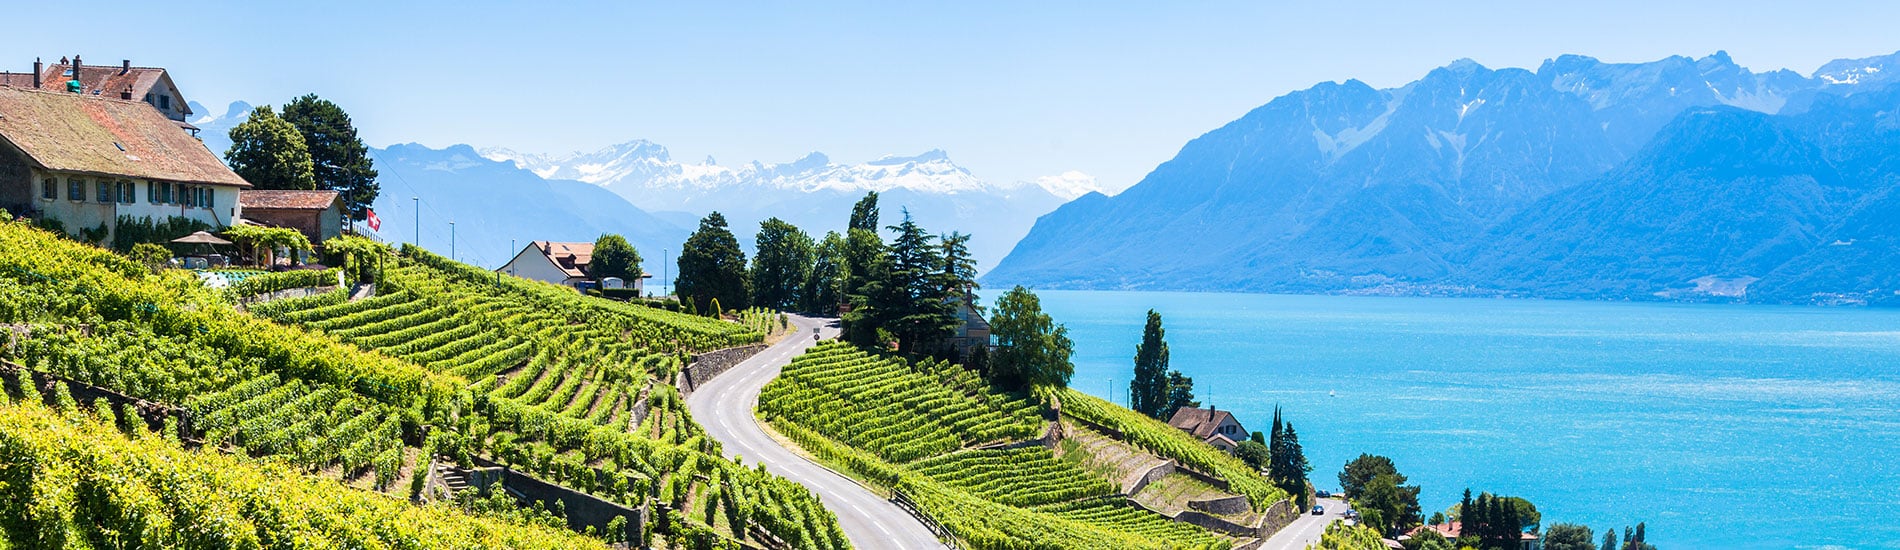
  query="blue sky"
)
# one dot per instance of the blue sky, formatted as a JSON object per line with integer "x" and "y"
{"x": 1012, "y": 92}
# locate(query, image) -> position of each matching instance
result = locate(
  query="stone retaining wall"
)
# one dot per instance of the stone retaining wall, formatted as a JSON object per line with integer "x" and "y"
{"x": 152, "y": 412}
{"x": 1134, "y": 484}
{"x": 285, "y": 294}
{"x": 1223, "y": 506}
{"x": 707, "y": 365}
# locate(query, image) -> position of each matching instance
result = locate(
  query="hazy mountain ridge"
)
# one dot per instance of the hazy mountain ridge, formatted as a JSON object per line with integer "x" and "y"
{"x": 1344, "y": 188}
{"x": 493, "y": 203}
{"x": 814, "y": 192}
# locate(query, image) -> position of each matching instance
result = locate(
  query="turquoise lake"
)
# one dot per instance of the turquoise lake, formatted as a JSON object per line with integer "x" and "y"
{"x": 1720, "y": 426}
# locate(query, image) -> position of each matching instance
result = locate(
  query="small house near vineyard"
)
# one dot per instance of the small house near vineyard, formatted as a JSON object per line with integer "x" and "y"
{"x": 1216, "y": 427}
{"x": 565, "y": 264}
{"x": 316, "y": 214}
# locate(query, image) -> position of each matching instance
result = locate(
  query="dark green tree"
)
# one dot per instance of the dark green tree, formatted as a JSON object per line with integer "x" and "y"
{"x": 614, "y": 257}
{"x": 1258, "y": 437}
{"x": 712, "y": 267}
{"x": 1359, "y": 471}
{"x": 864, "y": 214}
{"x": 1292, "y": 461}
{"x": 1609, "y": 539}
{"x": 782, "y": 266}
{"x": 921, "y": 312}
{"x": 1149, "y": 388}
{"x": 959, "y": 268}
{"x": 1569, "y": 536}
{"x": 1464, "y": 527}
{"x": 869, "y": 279}
{"x": 1253, "y": 453}
{"x": 269, "y": 153}
{"x": 823, "y": 288}
{"x": 1032, "y": 350}
{"x": 1276, "y": 439}
{"x": 1180, "y": 391}
{"x": 1397, "y": 503}
{"x": 340, "y": 160}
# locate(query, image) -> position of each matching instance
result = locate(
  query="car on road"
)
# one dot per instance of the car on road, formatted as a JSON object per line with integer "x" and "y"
{"x": 1319, "y": 510}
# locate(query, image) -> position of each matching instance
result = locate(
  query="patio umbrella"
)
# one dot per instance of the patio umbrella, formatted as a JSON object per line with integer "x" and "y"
{"x": 201, "y": 237}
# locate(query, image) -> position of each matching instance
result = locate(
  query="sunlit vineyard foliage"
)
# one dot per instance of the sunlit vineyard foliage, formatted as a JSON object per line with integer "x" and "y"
{"x": 71, "y": 481}
{"x": 1339, "y": 536}
{"x": 575, "y": 390}
{"x": 1166, "y": 441}
{"x": 909, "y": 426}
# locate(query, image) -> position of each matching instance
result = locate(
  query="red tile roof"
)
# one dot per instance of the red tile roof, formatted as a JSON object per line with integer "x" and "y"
{"x": 1198, "y": 421}
{"x": 274, "y": 199}
{"x": 112, "y": 137}
{"x": 97, "y": 80}
{"x": 572, "y": 258}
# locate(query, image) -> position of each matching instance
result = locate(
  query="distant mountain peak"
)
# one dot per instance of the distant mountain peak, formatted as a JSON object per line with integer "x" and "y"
{"x": 933, "y": 155}
{"x": 1069, "y": 185}
{"x": 1866, "y": 71}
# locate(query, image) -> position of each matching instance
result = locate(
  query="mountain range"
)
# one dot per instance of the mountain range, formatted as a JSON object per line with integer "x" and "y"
{"x": 814, "y": 192}
{"x": 1682, "y": 178}
{"x": 637, "y": 189}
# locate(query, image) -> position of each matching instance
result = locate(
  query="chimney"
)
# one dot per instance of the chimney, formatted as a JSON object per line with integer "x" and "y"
{"x": 125, "y": 67}
{"x": 74, "y": 85}
{"x": 37, "y": 69}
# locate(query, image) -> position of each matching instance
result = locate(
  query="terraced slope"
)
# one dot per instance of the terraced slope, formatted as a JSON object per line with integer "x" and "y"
{"x": 73, "y": 481}
{"x": 350, "y": 388}
{"x": 914, "y": 428}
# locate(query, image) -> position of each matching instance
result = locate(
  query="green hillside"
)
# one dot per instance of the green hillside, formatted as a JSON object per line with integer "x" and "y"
{"x": 358, "y": 390}
{"x": 74, "y": 481}
{"x": 911, "y": 428}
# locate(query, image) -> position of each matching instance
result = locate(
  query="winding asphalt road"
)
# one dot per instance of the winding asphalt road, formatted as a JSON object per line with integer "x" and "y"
{"x": 724, "y": 406}
{"x": 1306, "y": 530}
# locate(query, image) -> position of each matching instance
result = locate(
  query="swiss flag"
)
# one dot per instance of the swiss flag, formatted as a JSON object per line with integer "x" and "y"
{"x": 375, "y": 223}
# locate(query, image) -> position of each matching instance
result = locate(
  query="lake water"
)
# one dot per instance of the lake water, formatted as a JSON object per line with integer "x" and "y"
{"x": 1720, "y": 426}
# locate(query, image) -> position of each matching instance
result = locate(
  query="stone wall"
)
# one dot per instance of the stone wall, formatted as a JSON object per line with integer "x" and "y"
{"x": 1223, "y": 506}
{"x": 1135, "y": 483}
{"x": 1278, "y": 516}
{"x": 286, "y": 294}
{"x": 583, "y": 510}
{"x": 707, "y": 365}
{"x": 152, "y": 412}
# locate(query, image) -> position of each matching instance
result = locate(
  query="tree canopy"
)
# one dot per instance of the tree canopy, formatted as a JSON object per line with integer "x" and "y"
{"x": 824, "y": 285}
{"x": 339, "y": 159}
{"x": 270, "y": 153}
{"x": 1031, "y": 349}
{"x": 864, "y": 214}
{"x": 615, "y": 257}
{"x": 782, "y": 266}
{"x": 712, "y": 268}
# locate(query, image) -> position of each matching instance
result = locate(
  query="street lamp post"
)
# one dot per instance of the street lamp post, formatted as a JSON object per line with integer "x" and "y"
{"x": 417, "y": 205}
{"x": 451, "y": 240}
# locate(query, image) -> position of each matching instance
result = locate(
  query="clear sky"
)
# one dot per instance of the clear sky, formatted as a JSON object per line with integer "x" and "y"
{"x": 1012, "y": 91}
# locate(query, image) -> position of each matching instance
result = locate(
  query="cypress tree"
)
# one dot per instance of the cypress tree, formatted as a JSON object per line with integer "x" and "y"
{"x": 1276, "y": 452}
{"x": 1149, "y": 388}
{"x": 1609, "y": 539}
{"x": 1464, "y": 516}
{"x": 1295, "y": 460}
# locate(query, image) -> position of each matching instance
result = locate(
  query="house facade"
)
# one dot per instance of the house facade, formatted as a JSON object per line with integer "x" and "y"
{"x": 316, "y": 214}
{"x": 972, "y": 329}
{"x": 150, "y": 85}
{"x": 1216, "y": 427}
{"x": 562, "y": 264}
{"x": 87, "y": 161}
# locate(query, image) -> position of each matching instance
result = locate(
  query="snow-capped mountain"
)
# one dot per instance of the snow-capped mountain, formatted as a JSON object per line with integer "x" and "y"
{"x": 1473, "y": 180}
{"x": 645, "y": 165}
{"x": 815, "y": 192}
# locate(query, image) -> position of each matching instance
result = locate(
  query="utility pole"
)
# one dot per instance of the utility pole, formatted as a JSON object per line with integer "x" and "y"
{"x": 451, "y": 240}
{"x": 666, "y": 273}
{"x": 417, "y": 204}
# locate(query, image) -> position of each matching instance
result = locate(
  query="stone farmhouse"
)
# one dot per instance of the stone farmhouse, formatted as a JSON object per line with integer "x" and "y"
{"x": 88, "y": 159}
{"x": 151, "y": 85}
